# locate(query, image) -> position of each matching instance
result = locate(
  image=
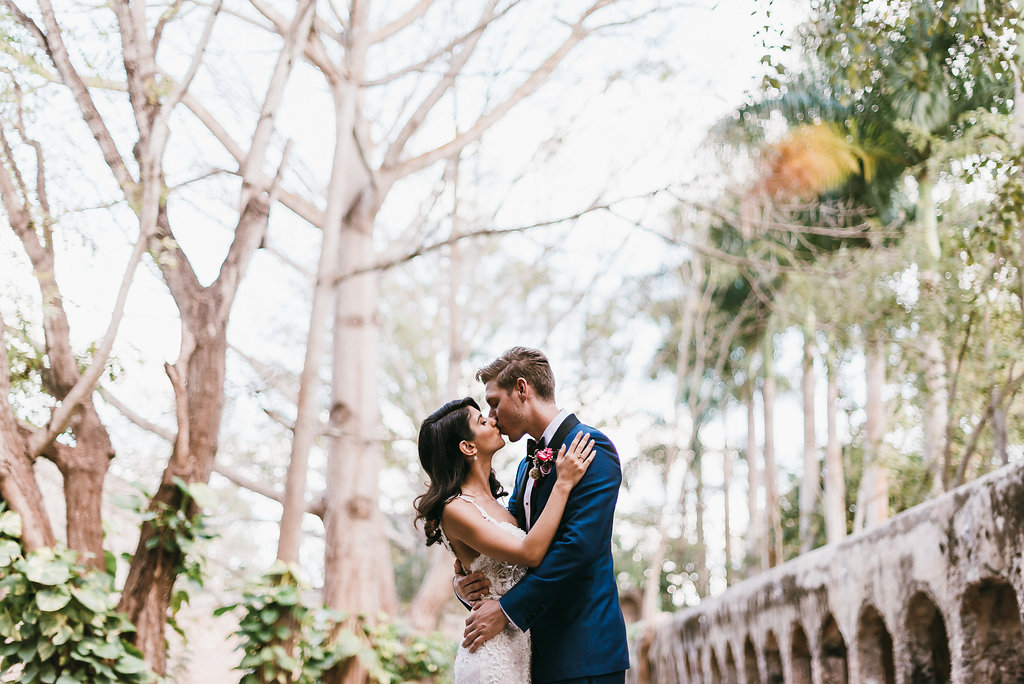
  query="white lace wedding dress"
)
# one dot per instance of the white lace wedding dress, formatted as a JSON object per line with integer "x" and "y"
{"x": 505, "y": 659}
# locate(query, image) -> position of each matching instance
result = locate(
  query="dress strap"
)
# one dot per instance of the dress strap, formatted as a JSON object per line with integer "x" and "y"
{"x": 479, "y": 508}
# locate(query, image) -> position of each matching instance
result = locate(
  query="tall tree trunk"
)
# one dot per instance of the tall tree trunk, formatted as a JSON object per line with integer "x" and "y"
{"x": 147, "y": 591}
{"x": 873, "y": 493}
{"x": 1000, "y": 436}
{"x": 84, "y": 474}
{"x": 757, "y": 548}
{"x": 835, "y": 484}
{"x": 936, "y": 409}
{"x": 810, "y": 483}
{"x": 307, "y": 419}
{"x": 700, "y": 505}
{"x": 771, "y": 476}
{"x": 650, "y": 602}
{"x": 727, "y": 459}
{"x": 358, "y": 575}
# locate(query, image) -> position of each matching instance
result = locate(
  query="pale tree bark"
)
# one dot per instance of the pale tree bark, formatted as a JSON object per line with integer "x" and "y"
{"x": 811, "y": 480}
{"x": 873, "y": 493}
{"x": 700, "y": 549}
{"x": 358, "y": 572}
{"x": 935, "y": 408}
{"x": 757, "y": 548}
{"x": 727, "y": 468}
{"x": 835, "y": 484}
{"x": 773, "y": 531}
{"x": 307, "y": 421}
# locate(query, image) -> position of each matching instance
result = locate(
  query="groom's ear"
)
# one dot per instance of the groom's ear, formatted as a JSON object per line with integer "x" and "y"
{"x": 522, "y": 388}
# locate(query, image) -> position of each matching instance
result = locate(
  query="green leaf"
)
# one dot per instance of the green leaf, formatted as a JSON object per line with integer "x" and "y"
{"x": 10, "y": 524}
{"x": 129, "y": 664}
{"x": 64, "y": 632}
{"x": 9, "y": 550}
{"x": 42, "y": 568}
{"x": 202, "y": 494}
{"x": 52, "y": 600}
{"x": 94, "y": 599}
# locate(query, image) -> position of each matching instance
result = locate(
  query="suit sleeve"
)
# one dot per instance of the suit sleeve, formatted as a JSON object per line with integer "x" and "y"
{"x": 583, "y": 536}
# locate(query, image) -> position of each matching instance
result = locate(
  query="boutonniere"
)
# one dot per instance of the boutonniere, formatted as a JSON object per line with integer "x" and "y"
{"x": 542, "y": 460}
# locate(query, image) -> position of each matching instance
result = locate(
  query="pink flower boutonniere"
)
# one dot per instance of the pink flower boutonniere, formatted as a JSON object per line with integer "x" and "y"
{"x": 542, "y": 459}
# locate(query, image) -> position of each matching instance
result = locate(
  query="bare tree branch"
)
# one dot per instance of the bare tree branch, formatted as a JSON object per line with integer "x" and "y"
{"x": 469, "y": 37}
{"x": 54, "y": 46}
{"x": 168, "y": 15}
{"x": 395, "y": 169}
{"x": 414, "y": 13}
{"x": 386, "y": 264}
{"x": 149, "y": 426}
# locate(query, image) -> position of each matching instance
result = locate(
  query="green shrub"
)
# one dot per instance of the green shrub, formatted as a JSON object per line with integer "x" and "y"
{"x": 286, "y": 639}
{"x": 58, "y": 622}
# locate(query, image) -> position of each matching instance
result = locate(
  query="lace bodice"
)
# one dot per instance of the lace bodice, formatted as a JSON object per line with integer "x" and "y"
{"x": 506, "y": 657}
{"x": 500, "y": 574}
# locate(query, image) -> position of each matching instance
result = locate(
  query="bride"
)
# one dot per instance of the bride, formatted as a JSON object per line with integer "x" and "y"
{"x": 460, "y": 509}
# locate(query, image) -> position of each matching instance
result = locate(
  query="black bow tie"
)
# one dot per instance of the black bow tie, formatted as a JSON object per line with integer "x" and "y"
{"x": 533, "y": 447}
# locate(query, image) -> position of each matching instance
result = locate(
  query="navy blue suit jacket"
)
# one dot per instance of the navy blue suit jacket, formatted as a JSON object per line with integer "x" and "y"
{"x": 570, "y": 602}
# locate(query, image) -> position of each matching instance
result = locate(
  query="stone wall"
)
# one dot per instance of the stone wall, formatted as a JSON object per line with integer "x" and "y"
{"x": 932, "y": 595}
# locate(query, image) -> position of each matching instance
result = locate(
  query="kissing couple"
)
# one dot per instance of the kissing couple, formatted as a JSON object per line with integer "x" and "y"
{"x": 538, "y": 574}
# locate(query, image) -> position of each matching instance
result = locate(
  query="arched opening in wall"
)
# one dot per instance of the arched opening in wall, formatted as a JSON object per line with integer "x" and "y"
{"x": 874, "y": 646}
{"x": 927, "y": 643}
{"x": 993, "y": 641}
{"x": 833, "y": 653}
{"x": 772, "y": 660}
{"x": 716, "y": 671}
{"x": 750, "y": 672}
{"x": 800, "y": 655}
{"x": 731, "y": 674}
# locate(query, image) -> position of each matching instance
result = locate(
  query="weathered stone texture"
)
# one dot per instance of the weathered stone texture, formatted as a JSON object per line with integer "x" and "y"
{"x": 933, "y": 595}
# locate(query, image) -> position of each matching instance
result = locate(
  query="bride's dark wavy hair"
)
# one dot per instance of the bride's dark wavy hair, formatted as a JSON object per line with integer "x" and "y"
{"x": 440, "y": 435}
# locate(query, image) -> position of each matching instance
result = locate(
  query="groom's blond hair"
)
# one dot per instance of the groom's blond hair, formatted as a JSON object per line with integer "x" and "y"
{"x": 521, "y": 362}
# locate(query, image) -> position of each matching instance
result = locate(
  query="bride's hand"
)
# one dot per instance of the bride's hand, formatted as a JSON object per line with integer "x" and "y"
{"x": 573, "y": 463}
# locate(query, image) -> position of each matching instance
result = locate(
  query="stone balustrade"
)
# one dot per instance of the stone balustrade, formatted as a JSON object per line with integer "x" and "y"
{"x": 932, "y": 595}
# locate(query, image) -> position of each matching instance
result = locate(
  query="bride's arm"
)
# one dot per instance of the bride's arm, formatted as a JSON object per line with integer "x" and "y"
{"x": 463, "y": 522}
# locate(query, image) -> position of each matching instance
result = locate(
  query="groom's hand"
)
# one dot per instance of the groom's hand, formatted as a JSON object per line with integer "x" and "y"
{"x": 470, "y": 587}
{"x": 483, "y": 624}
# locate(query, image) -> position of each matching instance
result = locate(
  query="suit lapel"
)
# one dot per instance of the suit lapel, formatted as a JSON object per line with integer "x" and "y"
{"x": 570, "y": 422}
{"x": 563, "y": 431}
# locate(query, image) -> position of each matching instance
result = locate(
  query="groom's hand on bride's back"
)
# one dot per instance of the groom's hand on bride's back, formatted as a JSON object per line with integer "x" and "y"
{"x": 483, "y": 624}
{"x": 470, "y": 587}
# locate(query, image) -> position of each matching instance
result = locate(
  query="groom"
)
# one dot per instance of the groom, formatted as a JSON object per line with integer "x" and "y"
{"x": 570, "y": 601}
